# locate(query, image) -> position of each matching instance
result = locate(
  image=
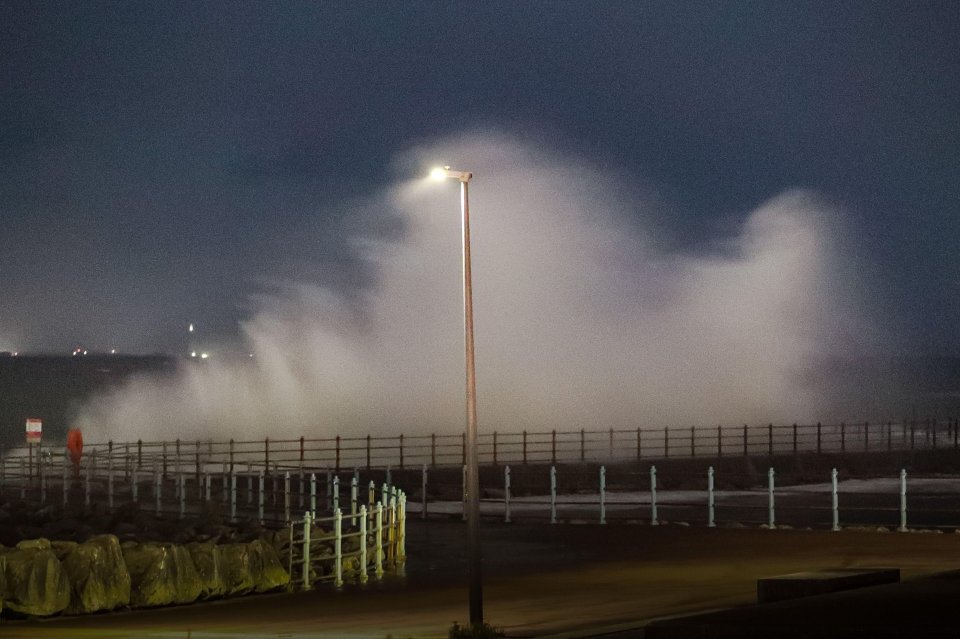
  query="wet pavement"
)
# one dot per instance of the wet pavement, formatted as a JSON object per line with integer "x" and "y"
{"x": 539, "y": 580}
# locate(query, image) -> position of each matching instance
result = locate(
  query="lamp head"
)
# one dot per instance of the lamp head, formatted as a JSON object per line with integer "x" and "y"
{"x": 443, "y": 173}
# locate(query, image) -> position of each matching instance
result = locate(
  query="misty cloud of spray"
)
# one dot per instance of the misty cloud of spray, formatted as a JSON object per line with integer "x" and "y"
{"x": 582, "y": 319}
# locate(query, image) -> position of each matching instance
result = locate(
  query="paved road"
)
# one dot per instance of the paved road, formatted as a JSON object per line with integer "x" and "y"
{"x": 539, "y": 580}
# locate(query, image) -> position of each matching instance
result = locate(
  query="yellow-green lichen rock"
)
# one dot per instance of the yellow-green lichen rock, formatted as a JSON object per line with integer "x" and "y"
{"x": 160, "y": 574}
{"x": 237, "y": 576}
{"x": 268, "y": 573}
{"x": 35, "y": 583}
{"x": 98, "y": 575}
{"x": 208, "y": 560}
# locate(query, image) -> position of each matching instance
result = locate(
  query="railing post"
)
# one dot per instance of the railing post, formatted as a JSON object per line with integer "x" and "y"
{"x": 463, "y": 500}
{"x": 794, "y": 440}
{"x": 719, "y": 441}
{"x": 336, "y": 493}
{"x": 433, "y": 450}
{"x": 711, "y": 523}
{"x": 866, "y": 436}
{"x": 463, "y": 448}
{"x": 261, "y": 497}
{"x": 372, "y": 494}
{"x": 423, "y": 492}
{"x": 401, "y": 451}
{"x": 583, "y": 446}
{"x": 363, "y": 544}
{"x": 603, "y": 495}
{"x": 666, "y": 442}
{"x": 379, "y": 551}
{"x": 494, "y": 448}
{"x": 368, "y": 453}
{"x": 183, "y": 494}
{"x": 819, "y": 438}
{"x": 746, "y": 452}
{"x": 553, "y": 494}
{"x": 306, "y": 550}
{"x": 654, "y": 521}
{"x": 286, "y": 496}
{"x": 402, "y": 528}
{"x": 524, "y": 447}
{"x": 266, "y": 453}
{"x": 506, "y": 494}
{"x": 301, "y": 450}
{"x": 771, "y": 521}
{"x": 770, "y": 440}
{"x": 139, "y": 453}
{"x": 903, "y": 500}
{"x": 553, "y": 446}
{"x": 338, "y": 548}
{"x": 157, "y": 488}
{"x": 835, "y": 506}
{"x": 336, "y": 466}
{"x": 843, "y": 437}
{"x": 611, "y": 444}
{"x": 353, "y": 496}
{"x": 163, "y": 459}
{"x": 639, "y": 450}
{"x": 233, "y": 498}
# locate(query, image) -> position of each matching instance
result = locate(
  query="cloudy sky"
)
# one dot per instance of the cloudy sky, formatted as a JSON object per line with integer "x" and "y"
{"x": 164, "y": 163}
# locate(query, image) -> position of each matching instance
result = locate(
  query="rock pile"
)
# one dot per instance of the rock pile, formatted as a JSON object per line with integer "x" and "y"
{"x": 40, "y": 578}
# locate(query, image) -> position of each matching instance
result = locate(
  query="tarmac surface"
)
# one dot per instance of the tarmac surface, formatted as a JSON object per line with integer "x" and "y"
{"x": 582, "y": 581}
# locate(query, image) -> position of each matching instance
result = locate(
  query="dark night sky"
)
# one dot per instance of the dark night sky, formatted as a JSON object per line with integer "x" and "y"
{"x": 161, "y": 160}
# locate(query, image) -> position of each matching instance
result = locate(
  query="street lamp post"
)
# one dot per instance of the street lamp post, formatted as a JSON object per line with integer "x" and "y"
{"x": 473, "y": 482}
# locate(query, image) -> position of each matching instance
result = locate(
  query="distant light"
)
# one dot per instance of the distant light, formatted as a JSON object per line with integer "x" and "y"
{"x": 251, "y": 354}
{"x": 84, "y": 352}
{"x": 113, "y": 351}
{"x": 193, "y": 354}
{"x": 439, "y": 173}
{"x": 15, "y": 353}
{"x": 190, "y": 329}
{"x": 204, "y": 355}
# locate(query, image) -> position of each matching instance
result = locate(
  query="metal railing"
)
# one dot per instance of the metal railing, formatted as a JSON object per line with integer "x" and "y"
{"x": 380, "y": 534}
{"x": 498, "y": 447}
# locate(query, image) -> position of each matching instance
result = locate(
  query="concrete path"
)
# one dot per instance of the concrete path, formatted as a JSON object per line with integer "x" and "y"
{"x": 539, "y": 580}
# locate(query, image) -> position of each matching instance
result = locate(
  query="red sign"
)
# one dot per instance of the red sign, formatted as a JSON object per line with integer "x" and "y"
{"x": 34, "y": 431}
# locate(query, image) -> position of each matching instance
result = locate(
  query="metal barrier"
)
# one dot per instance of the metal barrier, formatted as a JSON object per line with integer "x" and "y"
{"x": 381, "y": 543}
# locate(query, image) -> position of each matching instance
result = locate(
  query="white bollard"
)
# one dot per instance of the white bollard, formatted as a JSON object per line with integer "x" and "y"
{"x": 353, "y": 496}
{"x": 363, "y": 544}
{"x": 336, "y": 494}
{"x": 423, "y": 492}
{"x": 372, "y": 495}
{"x": 338, "y": 548}
{"x": 261, "y": 497}
{"x": 286, "y": 497}
{"x": 654, "y": 520}
{"x": 329, "y": 491}
{"x": 903, "y": 500}
{"x": 313, "y": 494}
{"x": 506, "y": 494}
{"x": 553, "y": 494}
{"x": 402, "y": 528}
{"x": 711, "y": 522}
{"x": 603, "y": 495}
{"x": 835, "y": 501}
{"x": 306, "y": 550}
{"x": 771, "y": 520}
